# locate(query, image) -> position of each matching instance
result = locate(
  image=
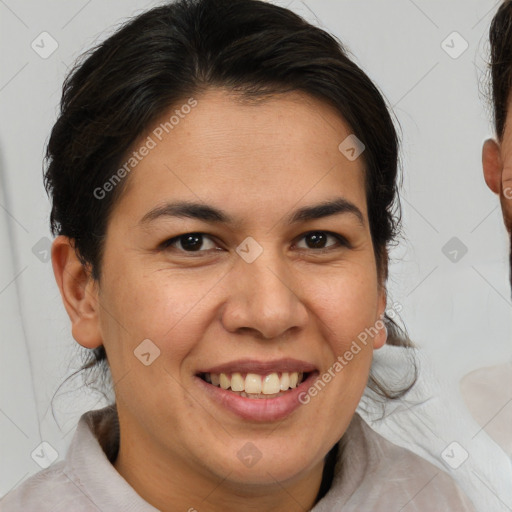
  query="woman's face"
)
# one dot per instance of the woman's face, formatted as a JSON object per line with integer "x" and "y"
{"x": 253, "y": 294}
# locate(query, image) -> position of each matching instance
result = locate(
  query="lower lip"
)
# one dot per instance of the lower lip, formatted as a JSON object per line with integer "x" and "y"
{"x": 258, "y": 409}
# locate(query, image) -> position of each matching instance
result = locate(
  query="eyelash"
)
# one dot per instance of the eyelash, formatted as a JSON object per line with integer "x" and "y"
{"x": 341, "y": 242}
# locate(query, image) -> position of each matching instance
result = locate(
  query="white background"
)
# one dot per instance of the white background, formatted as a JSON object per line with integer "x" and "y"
{"x": 458, "y": 312}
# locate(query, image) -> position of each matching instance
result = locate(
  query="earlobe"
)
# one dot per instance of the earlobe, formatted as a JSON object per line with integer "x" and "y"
{"x": 78, "y": 291}
{"x": 492, "y": 165}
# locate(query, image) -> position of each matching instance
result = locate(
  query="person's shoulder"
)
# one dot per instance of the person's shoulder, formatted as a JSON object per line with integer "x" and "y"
{"x": 66, "y": 484}
{"x": 48, "y": 490}
{"x": 485, "y": 392}
{"x": 489, "y": 377}
{"x": 397, "y": 476}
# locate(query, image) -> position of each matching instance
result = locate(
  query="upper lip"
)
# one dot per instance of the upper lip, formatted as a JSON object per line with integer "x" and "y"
{"x": 254, "y": 366}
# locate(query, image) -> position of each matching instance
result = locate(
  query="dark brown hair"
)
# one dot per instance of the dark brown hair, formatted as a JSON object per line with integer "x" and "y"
{"x": 500, "y": 38}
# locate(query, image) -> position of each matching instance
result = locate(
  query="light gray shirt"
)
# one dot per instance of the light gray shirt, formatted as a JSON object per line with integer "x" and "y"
{"x": 371, "y": 475}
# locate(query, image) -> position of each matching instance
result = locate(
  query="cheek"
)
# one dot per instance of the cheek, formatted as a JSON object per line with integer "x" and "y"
{"x": 347, "y": 310}
{"x": 163, "y": 307}
{"x": 346, "y": 303}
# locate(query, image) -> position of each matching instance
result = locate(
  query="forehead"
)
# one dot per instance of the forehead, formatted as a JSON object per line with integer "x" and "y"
{"x": 227, "y": 150}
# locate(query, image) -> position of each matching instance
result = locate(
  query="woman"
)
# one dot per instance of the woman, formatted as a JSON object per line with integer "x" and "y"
{"x": 223, "y": 181}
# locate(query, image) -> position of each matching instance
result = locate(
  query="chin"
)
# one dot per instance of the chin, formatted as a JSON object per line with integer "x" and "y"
{"x": 267, "y": 474}
{"x": 259, "y": 463}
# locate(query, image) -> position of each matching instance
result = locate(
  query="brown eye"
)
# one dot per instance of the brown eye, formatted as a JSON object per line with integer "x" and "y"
{"x": 318, "y": 240}
{"x": 189, "y": 242}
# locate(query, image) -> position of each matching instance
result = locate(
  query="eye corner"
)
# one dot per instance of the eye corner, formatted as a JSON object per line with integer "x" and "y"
{"x": 166, "y": 243}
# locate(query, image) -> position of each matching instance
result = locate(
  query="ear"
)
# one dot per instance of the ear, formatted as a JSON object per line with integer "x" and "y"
{"x": 492, "y": 165}
{"x": 381, "y": 337}
{"x": 79, "y": 293}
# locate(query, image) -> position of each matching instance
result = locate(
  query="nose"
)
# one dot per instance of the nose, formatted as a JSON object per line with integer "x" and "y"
{"x": 264, "y": 298}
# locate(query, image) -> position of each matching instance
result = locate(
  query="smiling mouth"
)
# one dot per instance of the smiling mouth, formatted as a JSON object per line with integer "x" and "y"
{"x": 254, "y": 385}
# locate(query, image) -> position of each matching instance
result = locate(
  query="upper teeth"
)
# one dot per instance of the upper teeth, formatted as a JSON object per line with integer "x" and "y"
{"x": 268, "y": 384}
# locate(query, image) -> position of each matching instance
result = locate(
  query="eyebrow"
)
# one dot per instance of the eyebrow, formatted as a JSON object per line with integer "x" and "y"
{"x": 207, "y": 213}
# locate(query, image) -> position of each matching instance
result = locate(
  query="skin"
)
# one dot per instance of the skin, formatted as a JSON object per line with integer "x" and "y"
{"x": 178, "y": 448}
